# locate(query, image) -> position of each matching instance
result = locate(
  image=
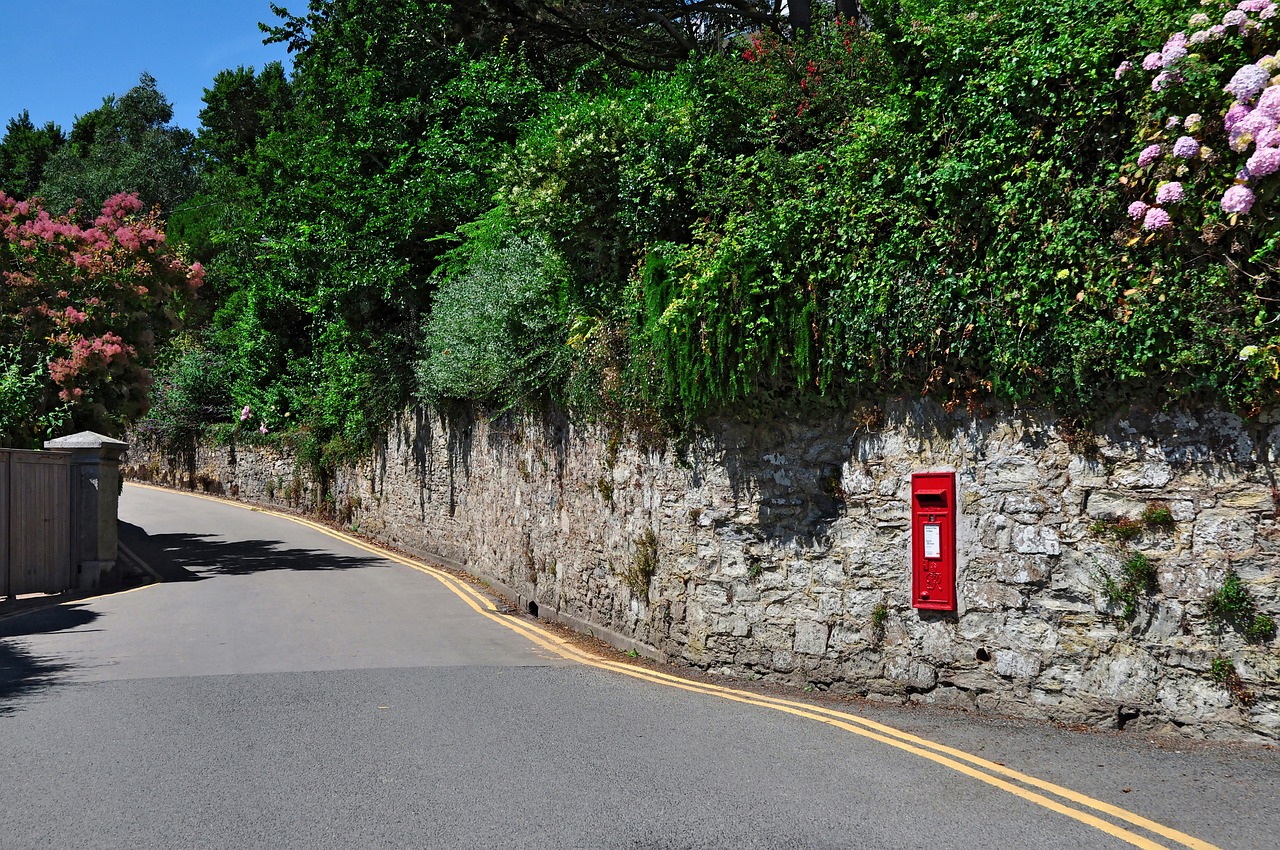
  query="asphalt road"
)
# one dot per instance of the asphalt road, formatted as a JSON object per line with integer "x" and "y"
{"x": 301, "y": 692}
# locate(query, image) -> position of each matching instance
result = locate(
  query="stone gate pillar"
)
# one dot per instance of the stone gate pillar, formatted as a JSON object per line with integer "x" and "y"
{"x": 95, "y": 502}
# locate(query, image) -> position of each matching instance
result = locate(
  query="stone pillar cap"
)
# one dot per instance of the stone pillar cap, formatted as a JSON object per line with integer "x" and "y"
{"x": 86, "y": 440}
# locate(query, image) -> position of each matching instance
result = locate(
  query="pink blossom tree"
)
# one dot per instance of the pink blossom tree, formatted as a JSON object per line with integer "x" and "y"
{"x": 88, "y": 303}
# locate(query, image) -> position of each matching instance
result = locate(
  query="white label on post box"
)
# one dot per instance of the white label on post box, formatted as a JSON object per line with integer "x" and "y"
{"x": 932, "y": 540}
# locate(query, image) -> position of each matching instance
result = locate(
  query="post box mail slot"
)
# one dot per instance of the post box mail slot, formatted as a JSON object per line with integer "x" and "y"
{"x": 933, "y": 540}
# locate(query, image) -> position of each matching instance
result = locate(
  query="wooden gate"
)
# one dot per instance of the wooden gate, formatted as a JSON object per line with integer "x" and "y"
{"x": 35, "y": 522}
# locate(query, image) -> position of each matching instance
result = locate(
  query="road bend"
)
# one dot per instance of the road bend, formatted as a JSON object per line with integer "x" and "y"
{"x": 305, "y": 691}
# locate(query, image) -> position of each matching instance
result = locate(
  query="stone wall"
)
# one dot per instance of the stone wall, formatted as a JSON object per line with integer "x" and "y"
{"x": 779, "y": 549}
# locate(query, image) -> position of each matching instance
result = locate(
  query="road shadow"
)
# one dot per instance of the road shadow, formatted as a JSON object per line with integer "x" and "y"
{"x": 141, "y": 544}
{"x": 22, "y": 673}
{"x": 205, "y": 555}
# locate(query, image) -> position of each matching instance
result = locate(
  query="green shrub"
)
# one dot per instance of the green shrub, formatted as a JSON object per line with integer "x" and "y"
{"x": 1233, "y": 605}
{"x": 191, "y": 390}
{"x": 26, "y": 417}
{"x": 1137, "y": 580}
{"x": 494, "y": 333}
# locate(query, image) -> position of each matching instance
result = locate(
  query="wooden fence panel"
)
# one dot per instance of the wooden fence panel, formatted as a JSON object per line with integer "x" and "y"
{"x": 39, "y": 522}
{"x": 5, "y": 456}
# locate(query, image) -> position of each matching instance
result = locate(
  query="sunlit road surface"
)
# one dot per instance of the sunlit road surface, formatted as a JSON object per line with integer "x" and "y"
{"x": 307, "y": 692}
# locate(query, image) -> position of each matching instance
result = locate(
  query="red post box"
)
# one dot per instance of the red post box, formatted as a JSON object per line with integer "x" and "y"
{"x": 933, "y": 540}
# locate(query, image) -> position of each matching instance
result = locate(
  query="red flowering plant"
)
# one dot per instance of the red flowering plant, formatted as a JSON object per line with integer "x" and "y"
{"x": 802, "y": 89}
{"x": 89, "y": 304}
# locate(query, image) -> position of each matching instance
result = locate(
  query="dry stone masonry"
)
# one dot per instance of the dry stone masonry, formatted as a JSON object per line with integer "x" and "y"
{"x": 779, "y": 549}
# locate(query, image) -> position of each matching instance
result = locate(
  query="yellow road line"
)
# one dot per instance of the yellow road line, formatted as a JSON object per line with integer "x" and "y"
{"x": 960, "y": 761}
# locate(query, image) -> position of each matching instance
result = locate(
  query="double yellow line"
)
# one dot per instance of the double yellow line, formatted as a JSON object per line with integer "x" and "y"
{"x": 1072, "y": 804}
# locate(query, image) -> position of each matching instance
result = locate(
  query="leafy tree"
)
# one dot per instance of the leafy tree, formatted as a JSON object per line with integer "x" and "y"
{"x": 24, "y": 153}
{"x": 349, "y": 203}
{"x": 125, "y": 145}
{"x": 240, "y": 108}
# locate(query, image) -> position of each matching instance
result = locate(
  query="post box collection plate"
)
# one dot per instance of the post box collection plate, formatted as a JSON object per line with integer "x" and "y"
{"x": 933, "y": 540}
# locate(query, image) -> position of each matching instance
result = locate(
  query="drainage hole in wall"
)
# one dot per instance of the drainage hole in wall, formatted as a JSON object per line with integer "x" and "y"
{"x": 533, "y": 608}
{"x": 983, "y": 655}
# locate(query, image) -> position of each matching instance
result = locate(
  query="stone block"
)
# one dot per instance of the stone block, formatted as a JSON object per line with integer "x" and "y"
{"x": 1016, "y": 665}
{"x": 1249, "y": 498}
{"x": 1225, "y": 531}
{"x": 1142, "y": 475}
{"x": 1035, "y": 539}
{"x": 1023, "y": 569}
{"x": 811, "y": 637}
{"x": 1109, "y": 503}
{"x": 1008, "y": 474}
{"x": 910, "y": 673}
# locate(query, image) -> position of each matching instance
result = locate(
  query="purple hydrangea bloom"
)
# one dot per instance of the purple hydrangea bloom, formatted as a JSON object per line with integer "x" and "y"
{"x": 1193, "y": 122}
{"x": 1165, "y": 79}
{"x": 1199, "y": 19}
{"x": 1237, "y": 199}
{"x": 1234, "y": 18}
{"x": 1269, "y": 102}
{"x": 1217, "y": 31}
{"x": 1173, "y": 123}
{"x": 1247, "y": 130}
{"x": 1200, "y": 37}
{"x": 1247, "y": 82}
{"x": 1268, "y": 13}
{"x": 1175, "y": 50}
{"x": 1151, "y": 62}
{"x": 1268, "y": 138}
{"x": 1124, "y": 68}
{"x": 1149, "y": 155}
{"x": 1263, "y": 162}
{"x": 1233, "y": 116}
{"x": 1253, "y": 5}
{"x": 1169, "y": 193}
{"x": 1186, "y": 147}
{"x": 1137, "y": 210}
{"x": 1156, "y": 219}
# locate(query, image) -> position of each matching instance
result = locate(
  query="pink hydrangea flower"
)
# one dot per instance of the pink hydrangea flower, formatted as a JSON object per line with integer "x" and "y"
{"x": 1173, "y": 123}
{"x": 1186, "y": 147}
{"x": 1268, "y": 13}
{"x": 1247, "y": 82}
{"x": 1247, "y": 129}
{"x": 1234, "y": 18}
{"x": 1269, "y": 102}
{"x": 1199, "y": 19}
{"x": 1233, "y": 116}
{"x": 1124, "y": 68}
{"x": 1216, "y": 32}
{"x": 1253, "y": 5}
{"x": 1151, "y": 62}
{"x": 1156, "y": 219}
{"x": 1165, "y": 79}
{"x": 1137, "y": 210}
{"x": 1149, "y": 155}
{"x": 246, "y": 413}
{"x": 1237, "y": 199}
{"x": 1174, "y": 50}
{"x": 1193, "y": 122}
{"x": 1169, "y": 193}
{"x": 1263, "y": 162}
{"x": 1268, "y": 138}
{"x": 262, "y": 429}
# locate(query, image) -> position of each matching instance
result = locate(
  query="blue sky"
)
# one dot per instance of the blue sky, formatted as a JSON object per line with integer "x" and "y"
{"x": 63, "y": 56}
